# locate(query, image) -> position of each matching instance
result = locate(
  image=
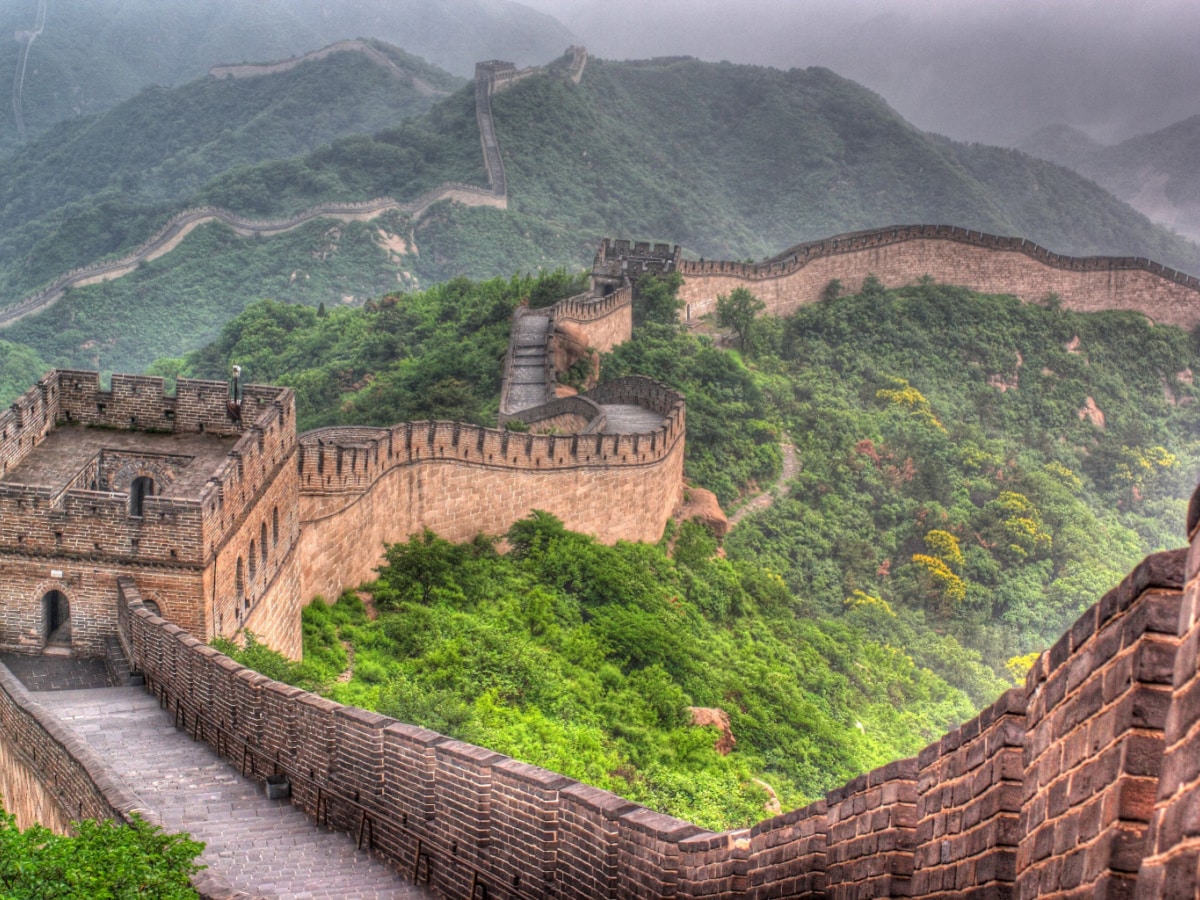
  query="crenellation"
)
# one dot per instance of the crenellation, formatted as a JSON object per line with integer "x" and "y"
{"x": 901, "y": 255}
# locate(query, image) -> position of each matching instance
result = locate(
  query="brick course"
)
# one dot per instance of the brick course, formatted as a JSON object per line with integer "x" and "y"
{"x": 900, "y": 256}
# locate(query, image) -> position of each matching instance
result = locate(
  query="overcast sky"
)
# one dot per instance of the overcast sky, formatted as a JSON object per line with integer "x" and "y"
{"x": 988, "y": 70}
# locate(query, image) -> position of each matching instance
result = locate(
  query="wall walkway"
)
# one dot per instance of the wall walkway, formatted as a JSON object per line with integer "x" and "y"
{"x": 901, "y": 255}
{"x": 257, "y": 846}
{"x": 1084, "y": 782}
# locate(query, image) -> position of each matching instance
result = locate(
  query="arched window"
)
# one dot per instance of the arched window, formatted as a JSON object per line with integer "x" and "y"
{"x": 141, "y": 488}
{"x": 262, "y": 545}
{"x": 253, "y": 562}
{"x": 240, "y": 578}
{"x": 275, "y": 527}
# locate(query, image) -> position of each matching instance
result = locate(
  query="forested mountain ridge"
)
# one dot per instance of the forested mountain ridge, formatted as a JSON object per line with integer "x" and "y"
{"x": 88, "y": 57}
{"x": 1155, "y": 173}
{"x": 757, "y": 159}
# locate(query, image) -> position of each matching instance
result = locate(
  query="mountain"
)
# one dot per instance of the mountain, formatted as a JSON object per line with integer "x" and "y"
{"x": 87, "y": 57}
{"x": 730, "y": 161}
{"x": 1157, "y": 174}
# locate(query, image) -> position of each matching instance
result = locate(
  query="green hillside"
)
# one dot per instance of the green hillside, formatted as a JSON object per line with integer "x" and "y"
{"x": 953, "y": 513}
{"x": 730, "y": 161}
{"x": 91, "y": 56}
{"x": 1156, "y": 173}
{"x": 97, "y": 186}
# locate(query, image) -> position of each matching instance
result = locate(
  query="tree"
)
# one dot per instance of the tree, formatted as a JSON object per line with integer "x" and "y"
{"x": 737, "y": 310}
{"x": 416, "y": 568}
{"x": 103, "y": 859}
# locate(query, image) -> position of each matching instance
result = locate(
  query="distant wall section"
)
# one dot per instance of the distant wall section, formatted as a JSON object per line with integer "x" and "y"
{"x": 981, "y": 262}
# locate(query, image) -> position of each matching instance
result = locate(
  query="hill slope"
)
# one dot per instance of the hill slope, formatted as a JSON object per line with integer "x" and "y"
{"x": 731, "y": 161}
{"x": 1156, "y": 173}
{"x": 92, "y": 186}
{"x": 91, "y": 56}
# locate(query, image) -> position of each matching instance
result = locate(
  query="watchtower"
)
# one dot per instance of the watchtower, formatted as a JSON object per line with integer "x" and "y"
{"x": 191, "y": 494}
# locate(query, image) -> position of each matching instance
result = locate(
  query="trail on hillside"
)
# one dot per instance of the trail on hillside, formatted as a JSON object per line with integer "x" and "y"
{"x": 764, "y": 499}
{"x": 26, "y": 38}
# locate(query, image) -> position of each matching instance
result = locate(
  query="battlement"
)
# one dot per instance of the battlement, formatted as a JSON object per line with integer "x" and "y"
{"x": 336, "y": 460}
{"x": 622, "y": 262}
{"x": 901, "y": 255}
{"x": 1080, "y": 781}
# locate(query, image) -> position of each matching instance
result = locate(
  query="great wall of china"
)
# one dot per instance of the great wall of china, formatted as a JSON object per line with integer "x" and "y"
{"x": 1085, "y": 781}
{"x": 490, "y": 77}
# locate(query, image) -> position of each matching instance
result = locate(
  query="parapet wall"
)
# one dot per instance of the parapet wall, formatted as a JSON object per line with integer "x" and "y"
{"x": 1060, "y": 788}
{"x": 48, "y": 774}
{"x": 607, "y": 321}
{"x": 363, "y": 487}
{"x": 901, "y": 255}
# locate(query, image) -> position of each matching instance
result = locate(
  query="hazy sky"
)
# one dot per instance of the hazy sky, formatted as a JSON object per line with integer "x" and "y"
{"x": 988, "y": 70}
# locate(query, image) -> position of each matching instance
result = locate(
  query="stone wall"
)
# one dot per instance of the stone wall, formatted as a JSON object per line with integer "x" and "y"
{"x": 1060, "y": 788}
{"x": 363, "y": 487}
{"x": 982, "y": 262}
{"x": 1171, "y": 867}
{"x": 607, "y": 321}
{"x": 185, "y": 550}
{"x": 48, "y": 774}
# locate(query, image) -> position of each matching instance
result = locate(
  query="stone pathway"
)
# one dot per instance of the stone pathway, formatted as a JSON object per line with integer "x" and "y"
{"x": 791, "y": 466}
{"x": 267, "y": 848}
{"x": 528, "y": 387}
{"x": 625, "y": 418}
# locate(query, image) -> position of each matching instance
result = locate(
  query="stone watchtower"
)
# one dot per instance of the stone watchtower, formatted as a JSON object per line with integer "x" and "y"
{"x": 192, "y": 497}
{"x": 619, "y": 263}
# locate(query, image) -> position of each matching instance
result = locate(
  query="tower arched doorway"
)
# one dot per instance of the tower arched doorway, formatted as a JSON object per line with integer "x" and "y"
{"x": 56, "y": 619}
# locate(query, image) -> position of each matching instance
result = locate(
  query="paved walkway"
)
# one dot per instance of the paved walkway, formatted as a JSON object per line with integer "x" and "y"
{"x": 528, "y": 386}
{"x": 267, "y": 848}
{"x": 626, "y": 418}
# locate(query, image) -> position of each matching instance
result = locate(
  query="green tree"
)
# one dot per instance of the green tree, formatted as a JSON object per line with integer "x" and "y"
{"x": 737, "y": 310}
{"x": 417, "y": 568}
{"x": 103, "y": 859}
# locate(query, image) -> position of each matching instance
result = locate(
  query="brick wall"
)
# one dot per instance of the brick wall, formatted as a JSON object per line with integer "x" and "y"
{"x": 1171, "y": 866}
{"x": 607, "y": 321}
{"x": 969, "y": 793}
{"x": 1097, "y": 706}
{"x": 982, "y": 262}
{"x": 363, "y": 487}
{"x": 871, "y": 833}
{"x": 1048, "y": 792}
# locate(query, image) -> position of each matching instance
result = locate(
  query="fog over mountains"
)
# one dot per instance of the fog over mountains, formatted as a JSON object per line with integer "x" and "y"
{"x": 982, "y": 70}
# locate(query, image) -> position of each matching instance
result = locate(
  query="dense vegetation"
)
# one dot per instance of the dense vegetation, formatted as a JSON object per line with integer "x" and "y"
{"x": 92, "y": 56}
{"x": 958, "y": 505}
{"x": 585, "y": 659}
{"x": 102, "y": 860}
{"x": 759, "y": 159}
{"x": 433, "y": 354}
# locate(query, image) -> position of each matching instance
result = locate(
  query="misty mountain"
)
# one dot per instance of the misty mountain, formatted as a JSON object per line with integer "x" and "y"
{"x": 90, "y": 56}
{"x": 730, "y": 161}
{"x": 983, "y": 70}
{"x": 1157, "y": 174}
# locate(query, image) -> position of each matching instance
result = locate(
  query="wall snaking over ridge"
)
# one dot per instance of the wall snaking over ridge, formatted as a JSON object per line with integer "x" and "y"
{"x": 901, "y": 255}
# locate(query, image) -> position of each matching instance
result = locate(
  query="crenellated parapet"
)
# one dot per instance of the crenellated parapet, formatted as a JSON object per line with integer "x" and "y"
{"x": 363, "y": 487}
{"x": 902, "y": 255}
{"x": 1083, "y": 780}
